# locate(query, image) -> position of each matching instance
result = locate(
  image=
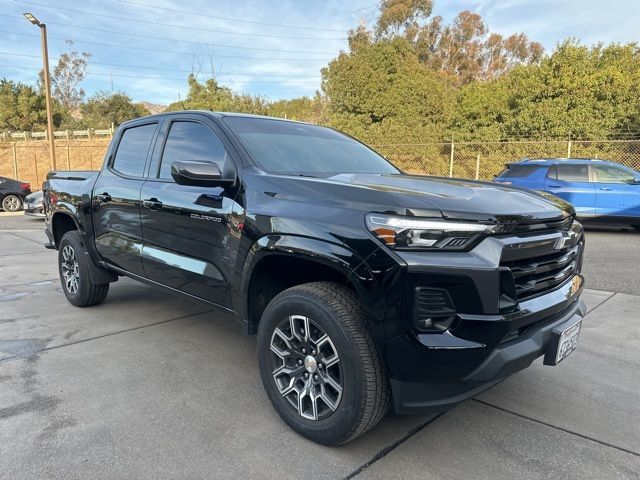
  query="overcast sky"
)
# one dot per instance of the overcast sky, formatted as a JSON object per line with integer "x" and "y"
{"x": 267, "y": 47}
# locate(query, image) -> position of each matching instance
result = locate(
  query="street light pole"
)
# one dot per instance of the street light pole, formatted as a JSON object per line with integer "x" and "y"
{"x": 47, "y": 87}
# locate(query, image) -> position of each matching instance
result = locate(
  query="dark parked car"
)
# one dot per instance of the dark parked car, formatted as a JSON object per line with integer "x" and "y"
{"x": 33, "y": 204}
{"x": 366, "y": 287}
{"x": 12, "y": 194}
{"x": 600, "y": 191}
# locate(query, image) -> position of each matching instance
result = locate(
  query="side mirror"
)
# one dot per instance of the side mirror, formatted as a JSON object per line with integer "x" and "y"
{"x": 201, "y": 174}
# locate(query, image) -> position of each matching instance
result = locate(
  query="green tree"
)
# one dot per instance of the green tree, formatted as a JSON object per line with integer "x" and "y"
{"x": 382, "y": 93}
{"x": 21, "y": 107}
{"x": 106, "y": 108}
{"x": 578, "y": 92}
{"x": 210, "y": 95}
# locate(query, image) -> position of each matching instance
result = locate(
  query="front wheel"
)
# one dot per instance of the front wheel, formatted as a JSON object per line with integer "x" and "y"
{"x": 319, "y": 364}
{"x": 11, "y": 203}
{"x": 73, "y": 265}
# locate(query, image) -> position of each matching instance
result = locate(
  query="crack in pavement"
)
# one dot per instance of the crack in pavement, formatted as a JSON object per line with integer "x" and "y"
{"x": 26, "y": 238}
{"x": 571, "y": 432}
{"x": 35, "y": 352}
{"x": 389, "y": 448}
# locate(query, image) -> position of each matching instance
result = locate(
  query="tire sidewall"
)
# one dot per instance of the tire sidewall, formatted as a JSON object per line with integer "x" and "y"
{"x": 346, "y": 415}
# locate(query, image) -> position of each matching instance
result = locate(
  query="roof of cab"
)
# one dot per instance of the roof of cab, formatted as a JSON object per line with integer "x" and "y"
{"x": 210, "y": 113}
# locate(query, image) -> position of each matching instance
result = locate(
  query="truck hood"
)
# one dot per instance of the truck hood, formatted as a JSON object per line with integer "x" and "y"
{"x": 420, "y": 196}
{"x": 467, "y": 199}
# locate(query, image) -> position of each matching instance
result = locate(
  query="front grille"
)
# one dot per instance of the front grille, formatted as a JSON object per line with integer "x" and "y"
{"x": 539, "y": 274}
{"x": 563, "y": 224}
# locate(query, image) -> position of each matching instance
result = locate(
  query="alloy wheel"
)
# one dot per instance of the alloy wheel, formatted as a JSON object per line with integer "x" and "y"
{"x": 306, "y": 367}
{"x": 11, "y": 203}
{"x": 70, "y": 269}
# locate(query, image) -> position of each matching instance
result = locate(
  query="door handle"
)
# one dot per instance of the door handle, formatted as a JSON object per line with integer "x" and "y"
{"x": 152, "y": 203}
{"x": 606, "y": 189}
{"x": 554, "y": 185}
{"x": 104, "y": 197}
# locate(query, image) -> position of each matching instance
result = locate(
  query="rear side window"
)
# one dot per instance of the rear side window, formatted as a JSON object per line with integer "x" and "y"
{"x": 192, "y": 141}
{"x": 572, "y": 173}
{"x": 513, "y": 171}
{"x": 133, "y": 148}
{"x": 612, "y": 174}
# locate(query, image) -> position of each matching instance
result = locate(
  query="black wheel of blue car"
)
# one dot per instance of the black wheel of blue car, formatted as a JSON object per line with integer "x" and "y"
{"x": 11, "y": 203}
{"x": 73, "y": 265}
{"x": 319, "y": 364}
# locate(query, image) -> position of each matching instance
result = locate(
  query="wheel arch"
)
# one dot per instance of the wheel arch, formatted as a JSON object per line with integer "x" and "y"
{"x": 276, "y": 263}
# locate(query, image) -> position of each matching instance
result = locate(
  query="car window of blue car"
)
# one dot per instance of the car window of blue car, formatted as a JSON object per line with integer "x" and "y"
{"x": 613, "y": 174}
{"x": 572, "y": 173}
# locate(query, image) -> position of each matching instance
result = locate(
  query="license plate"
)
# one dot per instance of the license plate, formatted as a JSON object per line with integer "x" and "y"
{"x": 568, "y": 341}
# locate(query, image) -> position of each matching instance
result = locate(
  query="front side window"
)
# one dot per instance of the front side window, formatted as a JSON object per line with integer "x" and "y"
{"x": 573, "y": 173}
{"x": 132, "y": 150}
{"x": 192, "y": 141}
{"x": 611, "y": 174}
{"x": 290, "y": 148}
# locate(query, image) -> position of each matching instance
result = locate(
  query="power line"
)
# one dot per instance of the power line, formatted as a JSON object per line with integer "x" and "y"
{"x": 145, "y": 67}
{"x": 284, "y": 82}
{"x": 179, "y": 52}
{"x": 148, "y": 22}
{"x": 255, "y": 22}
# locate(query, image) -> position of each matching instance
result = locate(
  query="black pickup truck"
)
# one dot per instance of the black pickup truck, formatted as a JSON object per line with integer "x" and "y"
{"x": 366, "y": 286}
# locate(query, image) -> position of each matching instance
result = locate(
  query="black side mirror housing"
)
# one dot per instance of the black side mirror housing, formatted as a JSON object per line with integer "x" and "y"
{"x": 201, "y": 174}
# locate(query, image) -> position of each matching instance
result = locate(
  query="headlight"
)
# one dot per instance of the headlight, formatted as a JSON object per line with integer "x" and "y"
{"x": 427, "y": 234}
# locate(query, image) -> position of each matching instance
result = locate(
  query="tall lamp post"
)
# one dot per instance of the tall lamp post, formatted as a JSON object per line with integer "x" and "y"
{"x": 47, "y": 86}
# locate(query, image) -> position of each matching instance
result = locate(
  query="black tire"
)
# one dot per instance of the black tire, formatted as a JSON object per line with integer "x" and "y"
{"x": 365, "y": 394}
{"x": 75, "y": 276}
{"x": 12, "y": 203}
{"x": 636, "y": 227}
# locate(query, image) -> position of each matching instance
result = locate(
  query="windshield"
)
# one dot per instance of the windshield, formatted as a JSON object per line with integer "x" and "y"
{"x": 290, "y": 148}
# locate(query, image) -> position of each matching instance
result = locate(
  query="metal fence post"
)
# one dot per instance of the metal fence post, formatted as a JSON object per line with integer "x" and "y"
{"x": 478, "y": 167}
{"x": 451, "y": 159}
{"x": 569, "y": 149}
{"x": 15, "y": 162}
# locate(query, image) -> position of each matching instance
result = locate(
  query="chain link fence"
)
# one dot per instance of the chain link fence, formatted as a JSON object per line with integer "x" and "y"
{"x": 29, "y": 160}
{"x": 483, "y": 160}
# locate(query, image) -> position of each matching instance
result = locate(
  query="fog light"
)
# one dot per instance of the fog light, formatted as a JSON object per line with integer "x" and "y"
{"x": 435, "y": 324}
{"x": 425, "y": 323}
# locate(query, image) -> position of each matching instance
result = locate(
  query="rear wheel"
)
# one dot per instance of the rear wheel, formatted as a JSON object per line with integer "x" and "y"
{"x": 319, "y": 364}
{"x": 11, "y": 203}
{"x": 73, "y": 264}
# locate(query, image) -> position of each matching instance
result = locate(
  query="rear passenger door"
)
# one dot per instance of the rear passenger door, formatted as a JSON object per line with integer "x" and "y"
{"x": 571, "y": 182}
{"x": 116, "y": 198}
{"x": 617, "y": 191}
{"x": 191, "y": 233}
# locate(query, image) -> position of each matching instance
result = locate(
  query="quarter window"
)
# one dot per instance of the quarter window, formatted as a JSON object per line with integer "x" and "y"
{"x": 133, "y": 148}
{"x": 573, "y": 173}
{"x": 611, "y": 174}
{"x": 191, "y": 141}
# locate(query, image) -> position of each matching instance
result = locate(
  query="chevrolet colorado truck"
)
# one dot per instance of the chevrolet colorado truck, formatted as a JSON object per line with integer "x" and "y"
{"x": 367, "y": 287}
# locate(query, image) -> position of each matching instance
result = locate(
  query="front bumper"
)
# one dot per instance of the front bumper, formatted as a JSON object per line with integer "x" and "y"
{"x": 541, "y": 316}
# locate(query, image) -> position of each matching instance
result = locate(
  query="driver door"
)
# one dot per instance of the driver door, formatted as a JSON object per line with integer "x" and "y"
{"x": 190, "y": 233}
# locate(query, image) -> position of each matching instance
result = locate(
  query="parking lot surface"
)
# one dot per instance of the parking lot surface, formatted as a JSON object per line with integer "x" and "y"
{"x": 148, "y": 385}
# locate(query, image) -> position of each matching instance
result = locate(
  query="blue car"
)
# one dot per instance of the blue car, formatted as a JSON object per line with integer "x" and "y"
{"x": 600, "y": 191}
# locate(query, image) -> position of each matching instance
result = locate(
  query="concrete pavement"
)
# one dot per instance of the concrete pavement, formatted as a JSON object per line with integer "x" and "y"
{"x": 153, "y": 386}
